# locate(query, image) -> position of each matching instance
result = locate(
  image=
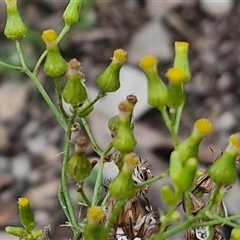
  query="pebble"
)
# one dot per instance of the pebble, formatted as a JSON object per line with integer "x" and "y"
{"x": 217, "y": 8}
{"x": 225, "y": 121}
{"x": 12, "y": 99}
{"x": 151, "y": 39}
{"x": 21, "y": 166}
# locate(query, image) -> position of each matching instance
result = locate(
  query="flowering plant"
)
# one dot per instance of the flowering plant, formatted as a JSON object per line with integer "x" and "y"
{"x": 125, "y": 211}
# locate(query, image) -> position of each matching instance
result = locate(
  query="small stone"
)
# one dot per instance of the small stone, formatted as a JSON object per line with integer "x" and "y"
{"x": 151, "y": 39}
{"x": 12, "y": 98}
{"x": 217, "y": 8}
{"x": 226, "y": 122}
{"x": 21, "y": 166}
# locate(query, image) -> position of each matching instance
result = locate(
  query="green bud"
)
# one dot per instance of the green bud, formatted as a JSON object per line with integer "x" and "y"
{"x": 223, "y": 170}
{"x": 74, "y": 91}
{"x": 78, "y": 166}
{"x": 157, "y": 91}
{"x": 181, "y": 173}
{"x": 124, "y": 140}
{"x": 94, "y": 230}
{"x": 189, "y": 148}
{"x": 175, "y": 216}
{"x": 36, "y": 234}
{"x": 26, "y": 215}
{"x": 123, "y": 187}
{"x": 108, "y": 81}
{"x": 168, "y": 195}
{"x": 55, "y": 65}
{"x": 235, "y": 234}
{"x": 181, "y": 59}
{"x": 84, "y": 112}
{"x": 176, "y": 96}
{"x": 72, "y": 12}
{"x": 113, "y": 125}
{"x": 15, "y": 29}
{"x": 186, "y": 179}
{"x": 16, "y": 231}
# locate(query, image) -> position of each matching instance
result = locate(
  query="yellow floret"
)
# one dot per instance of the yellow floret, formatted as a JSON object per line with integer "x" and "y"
{"x": 234, "y": 139}
{"x": 49, "y": 35}
{"x": 148, "y": 62}
{"x": 203, "y": 126}
{"x": 181, "y": 46}
{"x": 131, "y": 160}
{"x": 11, "y": 3}
{"x": 95, "y": 214}
{"x": 120, "y": 56}
{"x": 23, "y": 202}
{"x": 175, "y": 76}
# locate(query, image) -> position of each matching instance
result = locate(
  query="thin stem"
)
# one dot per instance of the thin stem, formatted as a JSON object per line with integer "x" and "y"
{"x": 40, "y": 88}
{"x": 154, "y": 179}
{"x": 169, "y": 124}
{"x": 64, "y": 187}
{"x": 99, "y": 96}
{"x": 99, "y": 179}
{"x": 95, "y": 146}
{"x": 64, "y": 31}
{"x": 58, "y": 92}
{"x": 10, "y": 66}
{"x": 178, "y": 118}
{"x": 84, "y": 196}
{"x": 188, "y": 205}
{"x": 40, "y": 59}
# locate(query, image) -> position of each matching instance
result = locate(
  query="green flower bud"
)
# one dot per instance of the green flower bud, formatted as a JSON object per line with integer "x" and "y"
{"x": 157, "y": 91}
{"x": 181, "y": 59}
{"x": 113, "y": 125}
{"x": 72, "y": 12}
{"x": 36, "y": 234}
{"x": 55, "y": 66}
{"x": 108, "y": 81}
{"x": 94, "y": 230}
{"x": 26, "y": 214}
{"x": 16, "y": 231}
{"x": 15, "y": 29}
{"x": 74, "y": 91}
{"x": 176, "y": 96}
{"x": 78, "y": 166}
{"x": 168, "y": 195}
{"x": 82, "y": 112}
{"x": 123, "y": 187}
{"x": 186, "y": 179}
{"x": 182, "y": 174}
{"x": 235, "y": 234}
{"x": 189, "y": 148}
{"x": 124, "y": 140}
{"x": 223, "y": 170}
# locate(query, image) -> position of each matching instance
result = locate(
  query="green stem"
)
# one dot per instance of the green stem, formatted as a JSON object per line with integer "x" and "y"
{"x": 169, "y": 124}
{"x": 188, "y": 205}
{"x": 99, "y": 179}
{"x": 99, "y": 96}
{"x": 10, "y": 66}
{"x": 84, "y": 196}
{"x": 58, "y": 92}
{"x": 178, "y": 118}
{"x": 64, "y": 186}
{"x": 40, "y": 88}
{"x": 154, "y": 179}
{"x": 95, "y": 146}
